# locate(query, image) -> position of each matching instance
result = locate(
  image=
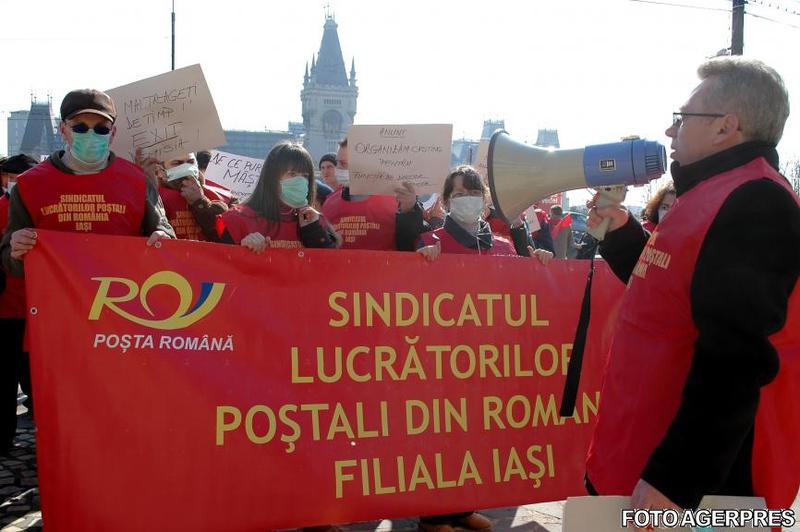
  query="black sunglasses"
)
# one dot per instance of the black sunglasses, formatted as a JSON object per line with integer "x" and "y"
{"x": 100, "y": 129}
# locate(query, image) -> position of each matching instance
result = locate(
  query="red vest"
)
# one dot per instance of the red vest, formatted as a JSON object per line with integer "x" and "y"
{"x": 241, "y": 220}
{"x": 216, "y": 192}
{"x": 500, "y": 245}
{"x": 12, "y": 299}
{"x": 179, "y": 215}
{"x": 368, "y": 224}
{"x": 110, "y": 202}
{"x": 652, "y": 353}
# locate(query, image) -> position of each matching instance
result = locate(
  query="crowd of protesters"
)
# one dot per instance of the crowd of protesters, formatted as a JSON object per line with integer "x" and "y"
{"x": 714, "y": 135}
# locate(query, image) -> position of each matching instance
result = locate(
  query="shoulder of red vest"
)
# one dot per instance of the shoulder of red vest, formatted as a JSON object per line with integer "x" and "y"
{"x": 126, "y": 167}
{"x": 43, "y": 168}
{"x": 332, "y": 202}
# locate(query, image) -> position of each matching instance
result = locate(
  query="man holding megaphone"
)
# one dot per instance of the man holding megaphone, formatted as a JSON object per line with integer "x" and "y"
{"x": 701, "y": 393}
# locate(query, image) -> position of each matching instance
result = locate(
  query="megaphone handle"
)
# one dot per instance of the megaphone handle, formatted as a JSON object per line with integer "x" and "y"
{"x": 600, "y": 231}
{"x": 607, "y": 196}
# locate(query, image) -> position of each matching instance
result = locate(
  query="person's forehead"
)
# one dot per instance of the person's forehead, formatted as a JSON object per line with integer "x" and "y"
{"x": 697, "y": 95}
{"x": 458, "y": 183}
{"x": 90, "y": 119}
{"x": 327, "y": 164}
{"x": 180, "y": 159}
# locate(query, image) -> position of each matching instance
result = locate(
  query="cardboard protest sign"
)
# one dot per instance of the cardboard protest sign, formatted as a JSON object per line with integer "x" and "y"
{"x": 381, "y": 158}
{"x": 169, "y": 114}
{"x": 237, "y": 172}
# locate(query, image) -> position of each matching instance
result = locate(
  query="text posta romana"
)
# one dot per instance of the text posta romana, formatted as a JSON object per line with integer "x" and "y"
{"x": 431, "y": 361}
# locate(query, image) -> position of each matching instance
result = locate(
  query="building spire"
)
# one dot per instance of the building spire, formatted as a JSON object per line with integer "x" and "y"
{"x": 330, "y": 63}
{"x": 353, "y": 72}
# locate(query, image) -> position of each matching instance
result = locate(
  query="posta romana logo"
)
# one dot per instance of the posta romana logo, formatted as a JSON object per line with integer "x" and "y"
{"x": 187, "y": 312}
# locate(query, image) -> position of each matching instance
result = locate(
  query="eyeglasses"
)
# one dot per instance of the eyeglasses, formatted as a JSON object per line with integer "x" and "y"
{"x": 80, "y": 127}
{"x": 677, "y": 118}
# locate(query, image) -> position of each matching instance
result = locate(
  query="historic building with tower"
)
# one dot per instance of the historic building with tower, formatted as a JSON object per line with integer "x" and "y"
{"x": 329, "y": 95}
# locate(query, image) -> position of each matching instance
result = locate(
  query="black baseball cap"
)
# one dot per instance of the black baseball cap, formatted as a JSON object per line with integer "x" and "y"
{"x": 88, "y": 101}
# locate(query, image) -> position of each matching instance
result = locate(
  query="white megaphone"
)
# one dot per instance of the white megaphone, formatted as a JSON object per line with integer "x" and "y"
{"x": 520, "y": 175}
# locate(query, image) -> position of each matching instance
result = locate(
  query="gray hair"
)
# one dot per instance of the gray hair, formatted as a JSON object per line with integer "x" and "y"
{"x": 751, "y": 90}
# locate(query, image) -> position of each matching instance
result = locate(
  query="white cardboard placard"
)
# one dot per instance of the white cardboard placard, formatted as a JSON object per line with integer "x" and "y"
{"x": 168, "y": 114}
{"x": 381, "y": 158}
{"x": 238, "y": 173}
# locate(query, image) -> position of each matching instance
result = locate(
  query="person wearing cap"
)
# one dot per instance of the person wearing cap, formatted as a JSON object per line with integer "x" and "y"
{"x": 112, "y": 196}
{"x": 14, "y": 365}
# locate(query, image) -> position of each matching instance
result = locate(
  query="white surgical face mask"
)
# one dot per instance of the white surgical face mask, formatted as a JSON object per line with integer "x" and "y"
{"x": 10, "y": 186}
{"x": 466, "y": 209}
{"x": 343, "y": 177}
{"x": 183, "y": 170}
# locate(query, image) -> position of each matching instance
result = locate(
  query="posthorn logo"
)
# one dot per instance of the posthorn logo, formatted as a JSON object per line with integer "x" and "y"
{"x": 187, "y": 312}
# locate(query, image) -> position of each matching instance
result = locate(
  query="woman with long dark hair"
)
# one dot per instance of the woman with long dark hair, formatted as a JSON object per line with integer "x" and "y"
{"x": 281, "y": 212}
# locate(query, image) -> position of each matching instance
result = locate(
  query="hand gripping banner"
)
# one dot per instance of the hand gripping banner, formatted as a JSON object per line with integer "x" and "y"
{"x": 223, "y": 390}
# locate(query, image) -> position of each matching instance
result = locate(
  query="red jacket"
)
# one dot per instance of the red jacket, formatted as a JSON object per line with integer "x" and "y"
{"x": 642, "y": 387}
{"x": 496, "y": 245}
{"x": 240, "y": 220}
{"x": 367, "y": 224}
{"x": 110, "y": 202}
{"x": 179, "y": 215}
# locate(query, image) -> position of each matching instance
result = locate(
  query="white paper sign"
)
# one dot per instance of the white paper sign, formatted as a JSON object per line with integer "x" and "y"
{"x": 533, "y": 220}
{"x": 240, "y": 174}
{"x": 481, "y": 161}
{"x": 381, "y": 158}
{"x": 169, "y": 114}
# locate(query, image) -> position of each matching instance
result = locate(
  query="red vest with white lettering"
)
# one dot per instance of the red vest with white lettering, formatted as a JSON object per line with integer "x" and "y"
{"x": 179, "y": 215}
{"x": 368, "y": 224}
{"x": 110, "y": 202}
{"x": 241, "y": 220}
{"x": 217, "y": 192}
{"x": 12, "y": 299}
{"x": 500, "y": 245}
{"x": 652, "y": 352}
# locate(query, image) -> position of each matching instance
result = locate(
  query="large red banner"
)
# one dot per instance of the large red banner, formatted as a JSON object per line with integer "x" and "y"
{"x": 223, "y": 390}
